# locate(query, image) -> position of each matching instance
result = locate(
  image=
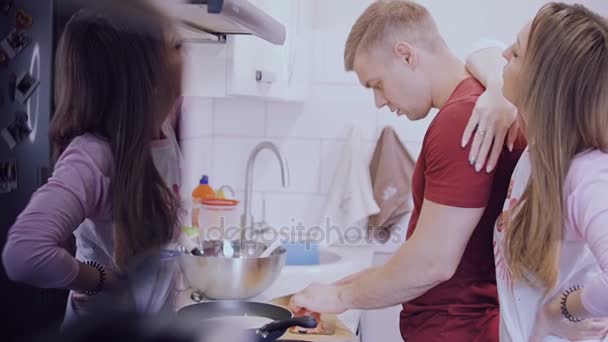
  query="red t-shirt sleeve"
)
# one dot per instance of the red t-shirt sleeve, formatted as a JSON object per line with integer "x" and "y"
{"x": 449, "y": 177}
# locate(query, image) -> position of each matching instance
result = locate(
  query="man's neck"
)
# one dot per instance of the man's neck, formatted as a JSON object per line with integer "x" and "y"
{"x": 449, "y": 72}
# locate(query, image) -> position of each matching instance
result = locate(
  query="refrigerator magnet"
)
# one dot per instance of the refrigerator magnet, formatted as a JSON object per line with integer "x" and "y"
{"x": 3, "y": 58}
{"x": 8, "y": 176}
{"x": 23, "y": 20}
{"x": 12, "y": 174}
{"x": 12, "y": 86}
{"x": 5, "y": 6}
{"x": 22, "y": 128}
{"x": 17, "y": 130}
{"x": 8, "y": 138}
{"x": 26, "y": 85}
{"x": 15, "y": 42}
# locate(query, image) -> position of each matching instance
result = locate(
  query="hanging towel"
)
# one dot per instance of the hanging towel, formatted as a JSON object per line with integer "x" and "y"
{"x": 350, "y": 200}
{"x": 391, "y": 173}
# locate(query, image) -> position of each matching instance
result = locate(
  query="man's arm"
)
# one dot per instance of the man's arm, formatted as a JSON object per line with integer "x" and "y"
{"x": 429, "y": 258}
{"x": 494, "y": 118}
{"x": 353, "y": 277}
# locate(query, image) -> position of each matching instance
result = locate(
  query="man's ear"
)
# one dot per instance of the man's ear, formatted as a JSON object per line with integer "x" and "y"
{"x": 405, "y": 52}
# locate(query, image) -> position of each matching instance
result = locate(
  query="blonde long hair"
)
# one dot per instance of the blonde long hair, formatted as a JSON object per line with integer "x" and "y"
{"x": 563, "y": 101}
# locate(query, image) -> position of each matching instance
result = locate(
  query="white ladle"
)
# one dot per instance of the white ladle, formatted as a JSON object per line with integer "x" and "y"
{"x": 273, "y": 246}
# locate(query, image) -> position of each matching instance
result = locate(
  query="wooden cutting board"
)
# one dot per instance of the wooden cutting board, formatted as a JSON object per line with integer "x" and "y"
{"x": 341, "y": 333}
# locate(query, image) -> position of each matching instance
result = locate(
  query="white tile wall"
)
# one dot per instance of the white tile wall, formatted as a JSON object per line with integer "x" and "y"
{"x": 305, "y": 208}
{"x": 242, "y": 118}
{"x": 338, "y": 14}
{"x": 325, "y": 115}
{"x": 330, "y": 57}
{"x": 229, "y": 155}
{"x": 230, "y": 160}
{"x": 197, "y": 161}
{"x": 333, "y": 20}
{"x": 197, "y": 118}
{"x": 303, "y": 158}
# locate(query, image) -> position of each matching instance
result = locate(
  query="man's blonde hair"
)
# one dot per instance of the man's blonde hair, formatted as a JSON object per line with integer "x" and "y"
{"x": 387, "y": 21}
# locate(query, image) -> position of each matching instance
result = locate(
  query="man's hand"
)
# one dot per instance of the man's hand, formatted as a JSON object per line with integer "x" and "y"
{"x": 550, "y": 321}
{"x": 318, "y": 298}
{"x": 492, "y": 120}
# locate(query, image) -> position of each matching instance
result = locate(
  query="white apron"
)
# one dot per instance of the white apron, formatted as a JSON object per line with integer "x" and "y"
{"x": 94, "y": 242}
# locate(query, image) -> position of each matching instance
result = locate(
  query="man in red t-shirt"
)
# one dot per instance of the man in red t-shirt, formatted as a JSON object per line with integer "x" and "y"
{"x": 444, "y": 274}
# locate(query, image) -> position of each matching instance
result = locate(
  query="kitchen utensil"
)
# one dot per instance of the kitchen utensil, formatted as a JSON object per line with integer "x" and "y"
{"x": 189, "y": 245}
{"x": 221, "y": 193}
{"x": 219, "y": 219}
{"x": 197, "y": 296}
{"x": 242, "y": 276}
{"x": 210, "y": 314}
{"x": 336, "y": 330}
{"x": 273, "y": 246}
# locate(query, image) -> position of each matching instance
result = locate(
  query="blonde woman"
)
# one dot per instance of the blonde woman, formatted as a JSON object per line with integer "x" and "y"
{"x": 551, "y": 241}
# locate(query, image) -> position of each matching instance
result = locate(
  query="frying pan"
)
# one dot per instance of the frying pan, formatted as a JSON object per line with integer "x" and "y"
{"x": 283, "y": 318}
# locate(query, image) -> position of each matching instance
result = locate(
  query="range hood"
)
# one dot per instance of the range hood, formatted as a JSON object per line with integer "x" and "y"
{"x": 205, "y": 20}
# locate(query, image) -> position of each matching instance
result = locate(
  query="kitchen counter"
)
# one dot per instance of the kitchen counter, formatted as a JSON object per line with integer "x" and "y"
{"x": 295, "y": 278}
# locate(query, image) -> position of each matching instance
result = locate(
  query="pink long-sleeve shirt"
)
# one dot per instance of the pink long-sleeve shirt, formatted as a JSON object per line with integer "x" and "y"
{"x": 584, "y": 251}
{"x": 76, "y": 200}
{"x": 77, "y": 193}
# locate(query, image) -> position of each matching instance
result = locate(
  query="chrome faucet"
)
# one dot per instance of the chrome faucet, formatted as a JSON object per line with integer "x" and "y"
{"x": 247, "y": 217}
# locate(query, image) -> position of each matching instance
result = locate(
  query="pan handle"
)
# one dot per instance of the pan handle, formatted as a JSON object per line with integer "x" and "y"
{"x": 280, "y": 326}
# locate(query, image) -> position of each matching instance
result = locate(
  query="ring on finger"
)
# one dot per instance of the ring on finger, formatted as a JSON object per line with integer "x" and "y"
{"x": 481, "y": 131}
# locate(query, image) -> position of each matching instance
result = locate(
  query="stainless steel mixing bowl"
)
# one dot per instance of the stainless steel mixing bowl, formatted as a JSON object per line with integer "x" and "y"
{"x": 225, "y": 272}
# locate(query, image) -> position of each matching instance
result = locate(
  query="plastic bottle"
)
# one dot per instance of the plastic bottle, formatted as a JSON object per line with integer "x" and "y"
{"x": 202, "y": 192}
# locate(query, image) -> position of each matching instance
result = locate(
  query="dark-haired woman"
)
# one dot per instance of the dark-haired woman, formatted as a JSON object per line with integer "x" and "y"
{"x": 116, "y": 179}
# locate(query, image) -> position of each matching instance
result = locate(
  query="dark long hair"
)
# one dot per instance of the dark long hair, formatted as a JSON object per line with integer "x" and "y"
{"x": 114, "y": 79}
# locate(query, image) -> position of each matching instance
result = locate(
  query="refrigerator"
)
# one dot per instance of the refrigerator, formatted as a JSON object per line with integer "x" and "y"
{"x": 29, "y": 31}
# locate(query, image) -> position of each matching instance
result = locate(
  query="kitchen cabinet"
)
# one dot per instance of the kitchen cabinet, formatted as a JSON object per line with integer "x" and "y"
{"x": 249, "y": 66}
{"x": 204, "y": 70}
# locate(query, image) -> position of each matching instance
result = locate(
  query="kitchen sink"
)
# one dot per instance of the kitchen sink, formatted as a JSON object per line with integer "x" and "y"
{"x": 304, "y": 253}
{"x": 328, "y": 257}
{"x": 312, "y": 255}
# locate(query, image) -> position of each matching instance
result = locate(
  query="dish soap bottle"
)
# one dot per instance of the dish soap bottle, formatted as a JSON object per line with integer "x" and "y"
{"x": 202, "y": 192}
